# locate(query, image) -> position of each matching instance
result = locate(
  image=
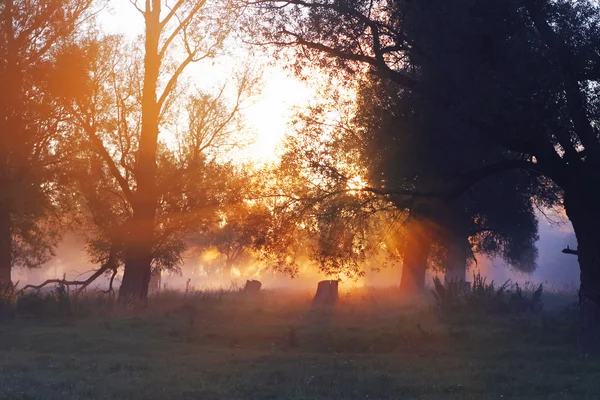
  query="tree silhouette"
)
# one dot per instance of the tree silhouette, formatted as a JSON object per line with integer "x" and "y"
{"x": 522, "y": 74}
{"x": 156, "y": 191}
{"x": 36, "y": 38}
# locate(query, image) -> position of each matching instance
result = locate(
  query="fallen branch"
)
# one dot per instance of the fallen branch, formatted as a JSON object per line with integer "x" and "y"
{"x": 111, "y": 264}
{"x": 48, "y": 282}
{"x": 65, "y": 282}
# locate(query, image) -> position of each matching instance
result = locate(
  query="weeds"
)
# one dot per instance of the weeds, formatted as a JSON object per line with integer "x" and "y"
{"x": 454, "y": 297}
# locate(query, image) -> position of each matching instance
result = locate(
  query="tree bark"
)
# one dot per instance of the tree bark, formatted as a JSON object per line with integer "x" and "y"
{"x": 140, "y": 242}
{"x": 416, "y": 253}
{"x": 456, "y": 260}
{"x": 10, "y": 89}
{"x": 583, "y": 210}
{"x": 136, "y": 272}
{"x": 5, "y": 248}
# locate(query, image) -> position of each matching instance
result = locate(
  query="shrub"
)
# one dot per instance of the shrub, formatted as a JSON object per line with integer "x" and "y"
{"x": 8, "y": 300}
{"x": 36, "y": 304}
{"x": 56, "y": 303}
{"x": 453, "y": 297}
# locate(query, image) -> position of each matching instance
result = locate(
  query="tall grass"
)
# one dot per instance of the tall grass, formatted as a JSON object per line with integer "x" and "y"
{"x": 488, "y": 298}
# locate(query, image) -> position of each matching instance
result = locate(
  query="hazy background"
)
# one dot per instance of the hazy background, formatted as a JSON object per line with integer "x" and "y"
{"x": 556, "y": 270}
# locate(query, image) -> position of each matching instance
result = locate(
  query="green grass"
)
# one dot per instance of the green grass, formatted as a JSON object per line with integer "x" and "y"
{"x": 373, "y": 345}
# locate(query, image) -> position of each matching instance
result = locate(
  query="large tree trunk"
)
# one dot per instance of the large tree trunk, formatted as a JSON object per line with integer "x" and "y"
{"x": 584, "y": 212}
{"x": 9, "y": 80}
{"x": 139, "y": 246}
{"x": 458, "y": 249}
{"x": 416, "y": 253}
{"x": 5, "y": 248}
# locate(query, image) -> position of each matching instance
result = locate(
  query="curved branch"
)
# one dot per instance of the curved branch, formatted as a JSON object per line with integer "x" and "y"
{"x": 110, "y": 284}
{"x": 380, "y": 67}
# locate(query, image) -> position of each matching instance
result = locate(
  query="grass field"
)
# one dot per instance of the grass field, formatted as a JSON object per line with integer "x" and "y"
{"x": 373, "y": 345}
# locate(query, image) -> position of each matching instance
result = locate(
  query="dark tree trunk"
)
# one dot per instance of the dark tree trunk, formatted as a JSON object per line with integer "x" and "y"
{"x": 458, "y": 249}
{"x": 584, "y": 213}
{"x": 9, "y": 80}
{"x": 138, "y": 257}
{"x": 136, "y": 276}
{"x": 139, "y": 244}
{"x": 416, "y": 253}
{"x": 5, "y": 248}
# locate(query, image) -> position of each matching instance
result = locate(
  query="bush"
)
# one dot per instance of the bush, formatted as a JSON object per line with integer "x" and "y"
{"x": 37, "y": 304}
{"x": 56, "y": 303}
{"x": 8, "y": 300}
{"x": 453, "y": 297}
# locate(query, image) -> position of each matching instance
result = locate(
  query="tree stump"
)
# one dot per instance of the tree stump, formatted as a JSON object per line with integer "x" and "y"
{"x": 252, "y": 286}
{"x": 327, "y": 293}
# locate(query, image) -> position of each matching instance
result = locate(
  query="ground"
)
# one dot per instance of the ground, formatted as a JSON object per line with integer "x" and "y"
{"x": 373, "y": 345}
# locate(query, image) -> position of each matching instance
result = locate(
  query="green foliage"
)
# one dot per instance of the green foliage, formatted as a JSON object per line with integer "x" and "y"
{"x": 486, "y": 298}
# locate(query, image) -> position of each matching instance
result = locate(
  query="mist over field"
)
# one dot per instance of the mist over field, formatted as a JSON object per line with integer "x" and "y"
{"x": 557, "y": 271}
{"x": 299, "y": 199}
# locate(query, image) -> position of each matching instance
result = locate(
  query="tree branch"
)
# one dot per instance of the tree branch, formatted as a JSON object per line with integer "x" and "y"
{"x": 565, "y": 57}
{"x": 101, "y": 150}
{"x": 84, "y": 284}
{"x": 380, "y": 67}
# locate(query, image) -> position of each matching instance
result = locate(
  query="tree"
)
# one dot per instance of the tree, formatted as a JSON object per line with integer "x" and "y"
{"x": 408, "y": 142}
{"x": 35, "y": 40}
{"x": 322, "y": 210}
{"x": 241, "y": 231}
{"x": 353, "y": 223}
{"x": 122, "y": 119}
{"x": 534, "y": 62}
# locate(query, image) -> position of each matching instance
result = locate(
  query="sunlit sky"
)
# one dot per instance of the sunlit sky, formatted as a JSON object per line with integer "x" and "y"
{"x": 268, "y": 114}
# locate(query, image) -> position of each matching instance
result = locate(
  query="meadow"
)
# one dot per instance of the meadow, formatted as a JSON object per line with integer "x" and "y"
{"x": 373, "y": 344}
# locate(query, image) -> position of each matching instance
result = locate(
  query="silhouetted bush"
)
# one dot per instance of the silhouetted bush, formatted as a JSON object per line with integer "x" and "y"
{"x": 56, "y": 303}
{"x": 8, "y": 300}
{"x": 36, "y": 304}
{"x": 453, "y": 297}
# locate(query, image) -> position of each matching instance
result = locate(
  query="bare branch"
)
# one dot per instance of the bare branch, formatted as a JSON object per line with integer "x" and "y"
{"x": 380, "y": 67}
{"x": 134, "y": 3}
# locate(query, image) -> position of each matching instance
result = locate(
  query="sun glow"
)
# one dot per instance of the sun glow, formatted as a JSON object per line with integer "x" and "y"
{"x": 210, "y": 255}
{"x": 356, "y": 184}
{"x": 266, "y": 118}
